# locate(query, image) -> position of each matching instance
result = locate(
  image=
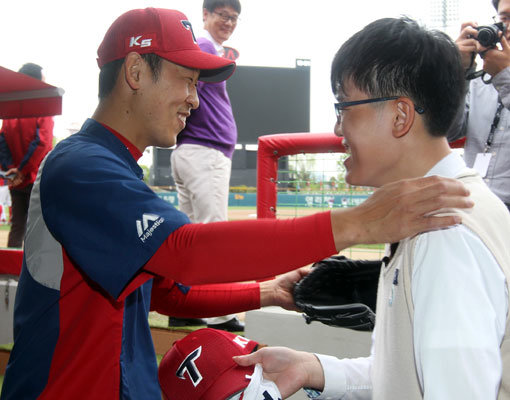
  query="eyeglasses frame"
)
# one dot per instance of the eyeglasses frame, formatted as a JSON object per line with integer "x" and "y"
{"x": 227, "y": 17}
{"x": 339, "y": 107}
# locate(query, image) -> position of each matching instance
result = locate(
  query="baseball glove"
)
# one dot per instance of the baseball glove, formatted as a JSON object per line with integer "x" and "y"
{"x": 340, "y": 292}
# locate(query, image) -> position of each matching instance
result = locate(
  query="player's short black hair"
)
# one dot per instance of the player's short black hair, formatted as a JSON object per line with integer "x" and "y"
{"x": 495, "y": 3}
{"x": 211, "y": 5}
{"x": 110, "y": 72}
{"x": 31, "y": 69}
{"x": 398, "y": 57}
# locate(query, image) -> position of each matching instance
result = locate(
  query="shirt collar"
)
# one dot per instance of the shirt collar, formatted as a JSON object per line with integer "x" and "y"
{"x": 218, "y": 47}
{"x": 449, "y": 167}
{"x": 133, "y": 150}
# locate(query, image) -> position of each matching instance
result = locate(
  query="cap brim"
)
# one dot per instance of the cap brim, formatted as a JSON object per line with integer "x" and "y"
{"x": 212, "y": 68}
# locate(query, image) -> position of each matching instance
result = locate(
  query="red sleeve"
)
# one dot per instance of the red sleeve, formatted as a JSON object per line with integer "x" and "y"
{"x": 203, "y": 301}
{"x": 237, "y": 251}
{"x": 45, "y": 144}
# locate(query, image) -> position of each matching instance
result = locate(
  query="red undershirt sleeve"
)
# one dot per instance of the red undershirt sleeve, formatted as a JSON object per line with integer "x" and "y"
{"x": 245, "y": 250}
{"x": 203, "y": 301}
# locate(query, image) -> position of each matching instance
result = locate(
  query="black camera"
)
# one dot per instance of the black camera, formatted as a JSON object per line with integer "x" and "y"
{"x": 488, "y": 35}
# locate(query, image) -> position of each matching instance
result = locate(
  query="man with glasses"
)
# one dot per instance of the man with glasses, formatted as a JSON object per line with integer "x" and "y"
{"x": 201, "y": 163}
{"x": 102, "y": 249}
{"x": 442, "y": 304}
{"x": 485, "y": 121}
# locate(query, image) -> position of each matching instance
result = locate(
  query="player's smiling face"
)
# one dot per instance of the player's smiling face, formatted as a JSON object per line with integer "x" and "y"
{"x": 167, "y": 103}
{"x": 364, "y": 128}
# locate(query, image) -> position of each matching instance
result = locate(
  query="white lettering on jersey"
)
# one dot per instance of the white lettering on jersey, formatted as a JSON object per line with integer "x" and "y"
{"x": 142, "y": 227}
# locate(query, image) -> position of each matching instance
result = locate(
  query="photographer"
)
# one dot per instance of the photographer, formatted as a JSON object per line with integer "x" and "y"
{"x": 485, "y": 121}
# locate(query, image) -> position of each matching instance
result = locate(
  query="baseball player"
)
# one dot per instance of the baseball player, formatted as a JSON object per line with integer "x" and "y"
{"x": 102, "y": 248}
{"x": 442, "y": 326}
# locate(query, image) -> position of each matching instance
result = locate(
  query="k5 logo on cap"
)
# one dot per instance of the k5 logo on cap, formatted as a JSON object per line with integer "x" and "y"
{"x": 140, "y": 41}
{"x": 166, "y": 33}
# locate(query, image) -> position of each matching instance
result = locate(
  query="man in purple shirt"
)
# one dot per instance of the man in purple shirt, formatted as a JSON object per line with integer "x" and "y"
{"x": 202, "y": 161}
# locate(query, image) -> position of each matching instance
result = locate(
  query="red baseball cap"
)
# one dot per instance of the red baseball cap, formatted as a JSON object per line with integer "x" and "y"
{"x": 167, "y": 33}
{"x": 200, "y": 366}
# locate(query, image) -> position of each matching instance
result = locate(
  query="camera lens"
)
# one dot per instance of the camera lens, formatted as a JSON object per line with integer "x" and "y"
{"x": 488, "y": 35}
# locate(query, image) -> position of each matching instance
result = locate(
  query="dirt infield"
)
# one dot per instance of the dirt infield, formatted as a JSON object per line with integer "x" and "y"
{"x": 235, "y": 213}
{"x": 3, "y": 238}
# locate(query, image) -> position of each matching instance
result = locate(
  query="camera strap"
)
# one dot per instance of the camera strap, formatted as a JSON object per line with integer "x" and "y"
{"x": 473, "y": 75}
{"x": 470, "y": 74}
{"x": 495, "y": 123}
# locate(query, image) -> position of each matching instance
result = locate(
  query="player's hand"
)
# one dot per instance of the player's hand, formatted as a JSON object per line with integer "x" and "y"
{"x": 467, "y": 43}
{"x": 398, "y": 210}
{"x": 289, "y": 369}
{"x": 495, "y": 60}
{"x": 278, "y": 292}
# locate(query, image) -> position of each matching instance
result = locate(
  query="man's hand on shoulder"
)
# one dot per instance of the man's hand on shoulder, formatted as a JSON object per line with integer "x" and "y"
{"x": 398, "y": 210}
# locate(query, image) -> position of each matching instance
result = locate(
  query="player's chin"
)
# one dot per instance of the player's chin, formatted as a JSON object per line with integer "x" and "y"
{"x": 168, "y": 141}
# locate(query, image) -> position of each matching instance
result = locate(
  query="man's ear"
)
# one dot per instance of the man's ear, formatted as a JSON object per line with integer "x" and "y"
{"x": 133, "y": 66}
{"x": 404, "y": 117}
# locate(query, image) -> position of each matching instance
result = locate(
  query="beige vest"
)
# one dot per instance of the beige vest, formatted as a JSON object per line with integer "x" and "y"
{"x": 394, "y": 375}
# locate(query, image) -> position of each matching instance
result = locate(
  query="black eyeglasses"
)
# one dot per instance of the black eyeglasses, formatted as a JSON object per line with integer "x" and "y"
{"x": 226, "y": 17}
{"x": 339, "y": 107}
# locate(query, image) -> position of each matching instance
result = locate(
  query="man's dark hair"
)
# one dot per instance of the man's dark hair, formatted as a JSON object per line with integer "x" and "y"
{"x": 397, "y": 57}
{"x": 495, "y": 3}
{"x": 110, "y": 72}
{"x": 211, "y": 5}
{"x": 31, "y": 69}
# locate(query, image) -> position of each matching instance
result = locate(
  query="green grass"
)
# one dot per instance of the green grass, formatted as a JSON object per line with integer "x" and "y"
{"x": 369, "y": 246}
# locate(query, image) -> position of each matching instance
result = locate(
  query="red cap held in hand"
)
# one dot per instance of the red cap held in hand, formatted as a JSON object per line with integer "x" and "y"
{"x": 200, "y": 366}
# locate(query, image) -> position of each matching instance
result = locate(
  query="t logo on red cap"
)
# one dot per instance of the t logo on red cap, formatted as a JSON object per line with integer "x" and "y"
{"x": 189, "y": 365}
{"x": 188, "y": 26}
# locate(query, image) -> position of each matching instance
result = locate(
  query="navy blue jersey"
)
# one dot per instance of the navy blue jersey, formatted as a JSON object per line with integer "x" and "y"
{"x": 93, "y": 223}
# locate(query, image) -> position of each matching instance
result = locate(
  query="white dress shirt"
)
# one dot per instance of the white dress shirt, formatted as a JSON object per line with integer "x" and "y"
{"x": 457, "y": 348}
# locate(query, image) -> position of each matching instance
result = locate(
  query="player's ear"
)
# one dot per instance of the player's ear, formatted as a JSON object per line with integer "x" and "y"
{"x": 403, "y": 116}
{"x": 133, "y": 69}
